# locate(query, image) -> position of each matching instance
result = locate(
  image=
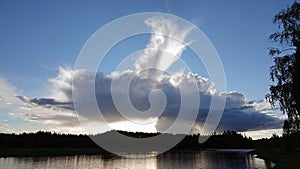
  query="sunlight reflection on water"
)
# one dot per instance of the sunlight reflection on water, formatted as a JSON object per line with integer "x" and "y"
{"x": 200, "y": 160}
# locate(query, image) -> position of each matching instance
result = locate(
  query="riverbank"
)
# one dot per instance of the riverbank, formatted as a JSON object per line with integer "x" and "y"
{"x": 282, "y": 159}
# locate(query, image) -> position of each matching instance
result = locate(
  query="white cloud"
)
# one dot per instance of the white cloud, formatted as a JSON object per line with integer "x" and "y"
{"x": 7, "y": 94}
{"x": 62, "y": 84}
{"x": 21, "y": 114}
{"x": 166, "y": 44}
{"x": 238, "y": 115}
{"x": 263, "y": 133}
{"x": 56, "y": 112}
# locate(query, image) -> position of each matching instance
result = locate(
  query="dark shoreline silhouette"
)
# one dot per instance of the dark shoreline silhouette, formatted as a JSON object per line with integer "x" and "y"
{"x": 47, "y": 143}
{"x": 284, "y": 151}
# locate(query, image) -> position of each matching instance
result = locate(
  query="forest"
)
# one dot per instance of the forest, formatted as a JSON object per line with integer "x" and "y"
{"x": 226, "y": 140}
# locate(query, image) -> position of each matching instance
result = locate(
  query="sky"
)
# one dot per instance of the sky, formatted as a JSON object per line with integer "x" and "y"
{"x": 41, "y": 40}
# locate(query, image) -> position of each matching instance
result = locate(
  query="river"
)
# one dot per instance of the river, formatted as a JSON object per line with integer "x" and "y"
{"x": 187, "y": 160}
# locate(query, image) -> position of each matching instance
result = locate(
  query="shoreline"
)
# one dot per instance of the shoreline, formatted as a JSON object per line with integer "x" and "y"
{"x": 282, "y": 159}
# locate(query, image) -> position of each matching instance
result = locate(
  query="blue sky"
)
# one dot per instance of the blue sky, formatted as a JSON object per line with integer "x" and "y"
{"x": 38, "y": 37}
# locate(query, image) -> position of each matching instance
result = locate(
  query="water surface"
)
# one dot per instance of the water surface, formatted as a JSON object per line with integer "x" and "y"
{"x": 192, "y": 160}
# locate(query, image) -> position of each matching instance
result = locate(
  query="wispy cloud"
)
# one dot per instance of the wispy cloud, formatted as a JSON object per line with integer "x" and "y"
{"x": 7, "y": 94}
{"x": 166, "y": 44}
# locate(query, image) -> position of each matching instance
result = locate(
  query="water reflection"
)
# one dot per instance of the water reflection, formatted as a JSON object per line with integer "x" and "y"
{"x": 199, "y": 160}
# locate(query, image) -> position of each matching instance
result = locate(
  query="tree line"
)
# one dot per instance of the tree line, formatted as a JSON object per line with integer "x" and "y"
{"x": 41, "y": 139}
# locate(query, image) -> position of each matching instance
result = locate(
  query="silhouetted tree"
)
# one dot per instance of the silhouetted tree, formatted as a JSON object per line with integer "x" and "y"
{"x": 286, "y": 128}
{"x": 228, "y": 139}
{"x": 285, "y": 71}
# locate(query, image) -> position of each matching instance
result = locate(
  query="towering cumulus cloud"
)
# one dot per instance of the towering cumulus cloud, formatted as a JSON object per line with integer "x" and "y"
{"x": 166, "y": 45}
